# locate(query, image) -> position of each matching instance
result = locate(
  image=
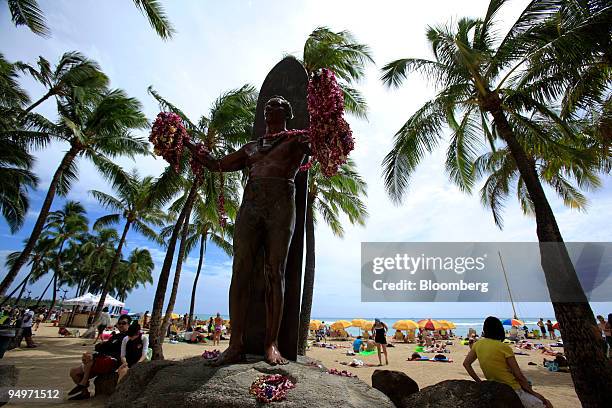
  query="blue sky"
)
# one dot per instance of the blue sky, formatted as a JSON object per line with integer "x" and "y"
{"x": 223, "y": 45}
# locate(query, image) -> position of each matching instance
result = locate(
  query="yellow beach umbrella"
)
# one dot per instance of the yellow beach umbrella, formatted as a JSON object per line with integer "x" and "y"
{"x": 340, "y": 324}
{"x": 448, "y": 325}
{"x": 405, "y": 325}
{"x": 368, "y": 325}
{"x": 429, "y": 324}
{"x": 314, "y": 325}
{"x": 359, "y": 323}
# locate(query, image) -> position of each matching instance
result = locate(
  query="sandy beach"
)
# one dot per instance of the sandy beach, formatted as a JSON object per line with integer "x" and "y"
{"x": 47, "y": 366}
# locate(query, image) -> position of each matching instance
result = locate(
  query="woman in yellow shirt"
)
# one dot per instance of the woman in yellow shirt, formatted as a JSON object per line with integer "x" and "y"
{"x": 498, "y": 363}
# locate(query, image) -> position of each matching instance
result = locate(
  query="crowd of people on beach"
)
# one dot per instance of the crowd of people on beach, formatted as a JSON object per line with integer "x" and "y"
{"x": 495, "y": 348}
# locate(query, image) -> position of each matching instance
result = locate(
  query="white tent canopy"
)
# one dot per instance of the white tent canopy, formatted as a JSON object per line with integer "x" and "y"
{"x": 92, "y": 300}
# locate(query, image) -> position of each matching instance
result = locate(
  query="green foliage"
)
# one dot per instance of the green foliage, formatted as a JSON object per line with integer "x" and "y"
{"x": 338, "y": 195}
{"x": 341, "y": 53}
{"x": 522, "y": 76}
{"x": 28, "y": 13}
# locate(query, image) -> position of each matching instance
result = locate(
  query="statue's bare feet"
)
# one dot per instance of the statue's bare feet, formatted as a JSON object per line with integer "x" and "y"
{"x": 273, "y": 356}
{"x": 229, "y": 356}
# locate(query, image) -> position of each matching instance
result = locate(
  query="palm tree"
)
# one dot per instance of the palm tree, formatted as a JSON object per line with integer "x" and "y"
{"x": 330, "y": 197}
{"x": 476, "y": 81}
{"x": 206, "y": 227}
{"x": 227, "y": 126}
{"x": 72, "y": 71}
{"x": 137, "y": 203}
{"x": 134, "y": 271}
{"x": 97, "y": 126}
{"x": 97, "y": 254}
{"x": 42, "y": 248}
{"x": 342, "y": 54}
{"x": 28, "y": 13}
{"x": 15, "y": 161}
{"x": 62, "y": 226}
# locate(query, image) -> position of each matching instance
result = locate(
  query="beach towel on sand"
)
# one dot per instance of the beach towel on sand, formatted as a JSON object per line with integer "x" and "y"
{"x": 367, "y": 353}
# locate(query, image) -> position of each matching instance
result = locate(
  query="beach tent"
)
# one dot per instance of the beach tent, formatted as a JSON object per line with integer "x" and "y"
{"x": 86, "y": 300}
{"x": 111, "y": 301}
{"x": 92, "y": 300}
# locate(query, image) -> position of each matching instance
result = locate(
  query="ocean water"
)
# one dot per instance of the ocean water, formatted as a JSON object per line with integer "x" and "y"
{"x": 463, "y": 324}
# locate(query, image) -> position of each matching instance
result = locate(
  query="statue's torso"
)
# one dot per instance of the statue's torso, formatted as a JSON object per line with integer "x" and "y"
{"x": 282, "y": 160}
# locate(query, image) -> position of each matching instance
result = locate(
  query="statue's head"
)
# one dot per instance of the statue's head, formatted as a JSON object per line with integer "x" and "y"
{"x": 278, "y": 108}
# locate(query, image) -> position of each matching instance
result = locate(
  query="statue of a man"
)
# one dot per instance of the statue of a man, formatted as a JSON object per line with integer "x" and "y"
{"x": 266, "y": 219}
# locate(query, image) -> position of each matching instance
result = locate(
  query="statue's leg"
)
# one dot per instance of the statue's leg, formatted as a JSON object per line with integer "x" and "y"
{"x": 279, "y": 229}
{"x": 248, "y": 235}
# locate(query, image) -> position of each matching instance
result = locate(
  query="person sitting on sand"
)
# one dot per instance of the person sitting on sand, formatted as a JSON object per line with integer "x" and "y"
{"x": 498, "y": 363}
{"x": 398, "y": 336}
{"x": 559, "y": 359}
{"x": 357, "y": 344}
{"x": 104, "y": 360}
{"x": 134, "y": 349}
{"x": 370, "y": 345}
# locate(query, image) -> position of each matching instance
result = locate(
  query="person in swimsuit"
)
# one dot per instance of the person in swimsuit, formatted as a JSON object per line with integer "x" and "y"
{"x": 380, "y": 337}
{"x": 218, "y": 327}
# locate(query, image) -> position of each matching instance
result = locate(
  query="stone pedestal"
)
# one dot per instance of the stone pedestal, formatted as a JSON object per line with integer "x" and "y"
{"x": 193, "y": 383}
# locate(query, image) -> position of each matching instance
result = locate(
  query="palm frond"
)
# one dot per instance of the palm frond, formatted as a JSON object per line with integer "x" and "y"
{"x": 27, "y": 12}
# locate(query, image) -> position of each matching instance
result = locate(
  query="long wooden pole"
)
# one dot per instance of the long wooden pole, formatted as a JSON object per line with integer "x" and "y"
{"x": 507, "y": 284}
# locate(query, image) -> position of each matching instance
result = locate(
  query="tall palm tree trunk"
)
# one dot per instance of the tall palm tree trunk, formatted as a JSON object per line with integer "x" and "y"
{"x": 44, "y": 292}
{"x": 309, "y": 275}
{"x": 589, "y": 367}
{"x": 35, "y": 104}
{"x": 53, "y": 297}
{"x": 40, "y": 221}
{"x": 162, "y": 284}
{"x": 179, "y": 264}
{"x": 112, "y": 270}
{"x": 21, "y": 285}
{"x": 58, "y": 272}
{"x": 195, "y": 281}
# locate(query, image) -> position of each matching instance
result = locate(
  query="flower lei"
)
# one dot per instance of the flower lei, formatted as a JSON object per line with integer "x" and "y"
{"x": 291, "y": 133}
{"x": 342, "y": 373}
{"x": 168, "y": 136}
{"x": 209, "y": 355}
{"x": 331, "y": 138}
{"x": 269, "y": 388}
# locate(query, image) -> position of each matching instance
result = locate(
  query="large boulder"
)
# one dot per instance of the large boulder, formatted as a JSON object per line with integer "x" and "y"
{"x": 394, "y": 384}
{"x": 194, "y": 383}
{"x": 464, "y": 394}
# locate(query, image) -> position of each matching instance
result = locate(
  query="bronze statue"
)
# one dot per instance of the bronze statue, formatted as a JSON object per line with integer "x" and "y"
{"x": 266, "y": 219}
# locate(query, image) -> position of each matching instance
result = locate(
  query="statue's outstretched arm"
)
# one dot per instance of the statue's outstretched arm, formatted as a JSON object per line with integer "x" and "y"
{"x": 232, "y": 162}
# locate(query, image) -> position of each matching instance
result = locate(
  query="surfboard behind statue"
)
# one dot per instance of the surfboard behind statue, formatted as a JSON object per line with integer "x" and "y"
{"x": 288, "y": 79}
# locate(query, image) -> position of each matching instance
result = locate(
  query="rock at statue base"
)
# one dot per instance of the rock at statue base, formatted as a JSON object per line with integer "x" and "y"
{"x": 464, "y": 394}
{"x": 394, "y": 384}
{"x": 8, "y": 379}
{"x": 194, "y": 383}
{"x": 105, "y": 384}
